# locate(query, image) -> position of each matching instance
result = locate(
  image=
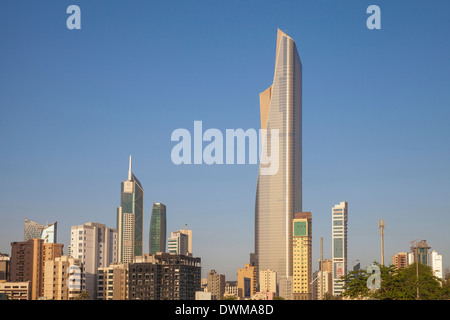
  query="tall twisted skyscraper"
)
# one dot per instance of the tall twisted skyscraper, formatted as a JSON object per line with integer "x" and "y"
{"x": 158, "y": 229}
{"x": 279, "y": 195}
{"x": 130, "y": 217}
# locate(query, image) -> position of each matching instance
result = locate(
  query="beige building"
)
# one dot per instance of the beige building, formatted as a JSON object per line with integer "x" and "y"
{"x": 302, "y": 256}
{"x": 400, "y": 260}
{"x": 267, "y": 281}
{"x": 231, "y": 289}
{"x": 63, "y": 278}
{"x": 27, "y": 262}
{"x": 247, "y": 281}
{"x": 16, "y": 290}
{"x": 323, "y": 284}
{"x": 216, "y": 285}
{"x": 112, "y": 282}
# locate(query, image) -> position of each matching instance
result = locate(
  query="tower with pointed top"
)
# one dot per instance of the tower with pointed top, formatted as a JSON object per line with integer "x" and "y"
{"x": 130, "y": 216}
{"x": 279, "y": 196}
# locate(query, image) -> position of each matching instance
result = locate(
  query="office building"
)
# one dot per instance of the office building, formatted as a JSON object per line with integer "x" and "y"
{"x": 247, "y": 281}
{"x": 279, "y": 185}
{"x": 158, "y": 228}
{"x": 130, "y": 217}
{"x": 302, "y": 256}
{"x": 96, "y": 246}
{"x": 339, "y": 245}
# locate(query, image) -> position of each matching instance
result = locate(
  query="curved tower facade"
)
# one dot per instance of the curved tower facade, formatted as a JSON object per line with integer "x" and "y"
{"x": 279, "y": 195}
{"x": 158, "y": 229}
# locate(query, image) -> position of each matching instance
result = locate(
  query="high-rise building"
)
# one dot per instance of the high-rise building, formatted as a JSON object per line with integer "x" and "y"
{"x": 322, "y": 285}
{"x": 164, "y": 276}
{"x": 158, "y": 229}
{"x": 302, "y": 256}
{"x": 436, "y": 264}
{"x": 279, "y": 192}
{"x": 267, "y": 281}
{"x": 96, "y": 246}
{"x": 216, "y": 285}
{"x": 130, "y": 216}
{"x": 247, "y": 281}
{"x": 188, "y": 232}
{"x": 400, "y": 260}
{"x": 34, "y": 230}
{"x": 28, "y": 259}
{"x": 178, "y": 243}
{"x": 112, "y": 282}
{"x": 339, "y": 245}
{"x": 63, "y": 278}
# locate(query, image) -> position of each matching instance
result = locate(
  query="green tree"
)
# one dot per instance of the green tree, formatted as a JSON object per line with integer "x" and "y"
{"x": 83, "y": 295}
{"x": 396, "y": 284}
{"x": 229, "y": 297}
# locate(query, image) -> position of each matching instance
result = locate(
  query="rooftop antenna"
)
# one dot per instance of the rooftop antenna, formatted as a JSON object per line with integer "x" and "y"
{"x": 129, "y": 170}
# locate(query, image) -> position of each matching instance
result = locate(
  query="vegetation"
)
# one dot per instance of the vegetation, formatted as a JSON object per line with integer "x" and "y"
{"x": 84, "y": 295}
{"x": 397, "y": 284}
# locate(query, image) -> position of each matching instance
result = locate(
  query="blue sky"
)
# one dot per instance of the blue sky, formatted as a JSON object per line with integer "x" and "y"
{"x": 74, "y": 104}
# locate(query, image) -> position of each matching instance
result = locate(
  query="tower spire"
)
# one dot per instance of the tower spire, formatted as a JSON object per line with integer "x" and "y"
{"x": 129, "y": 170}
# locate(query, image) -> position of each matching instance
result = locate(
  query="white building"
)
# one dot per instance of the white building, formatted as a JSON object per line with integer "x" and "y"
{"x": 436, "y": 264}
{"x": 178, "y": 243}
{"x": 339, "y": 244}
{"x": 96, "y": 246}
{"x": 267, "y": 281}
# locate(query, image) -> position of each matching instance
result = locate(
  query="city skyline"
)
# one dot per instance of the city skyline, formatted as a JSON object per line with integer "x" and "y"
{"x": 374, "y": 127}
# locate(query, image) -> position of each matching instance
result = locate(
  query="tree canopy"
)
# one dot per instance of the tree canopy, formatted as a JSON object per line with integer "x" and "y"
{"x": 397, "y": 284}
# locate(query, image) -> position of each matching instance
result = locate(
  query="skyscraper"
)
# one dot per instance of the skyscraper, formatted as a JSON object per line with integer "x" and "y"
{"x": 158, "y": 229}
{"x": 339, "y": 245}
{"x": 130, "y": 216}
{"x": 279, "y": 195}
{"x": 302, "y": 256}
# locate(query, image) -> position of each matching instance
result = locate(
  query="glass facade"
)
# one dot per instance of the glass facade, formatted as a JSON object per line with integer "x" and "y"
{"x": 279, "y": 195}
{"x": 158, "y": 229}
{"x": 130, "y": 216}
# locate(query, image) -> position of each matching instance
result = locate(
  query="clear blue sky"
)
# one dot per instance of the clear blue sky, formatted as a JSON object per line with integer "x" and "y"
{"x": 74, "y": 104}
